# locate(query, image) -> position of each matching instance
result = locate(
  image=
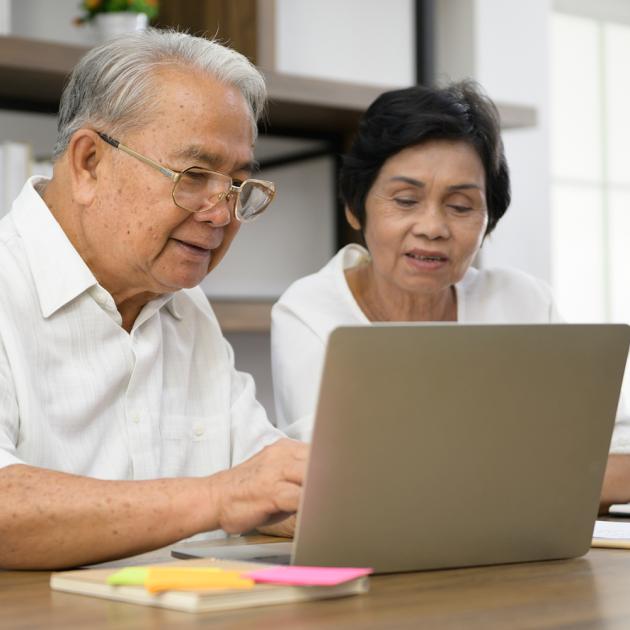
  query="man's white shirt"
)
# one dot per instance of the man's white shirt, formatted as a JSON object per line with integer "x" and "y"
{"x": 79, "y": 394}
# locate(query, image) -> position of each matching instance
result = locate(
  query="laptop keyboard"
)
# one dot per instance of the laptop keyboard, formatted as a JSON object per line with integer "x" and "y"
{"x": 282, "y": 558}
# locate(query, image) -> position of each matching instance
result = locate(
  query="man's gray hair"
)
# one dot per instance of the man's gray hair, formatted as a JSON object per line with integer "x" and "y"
{"x": 113, "y": 85}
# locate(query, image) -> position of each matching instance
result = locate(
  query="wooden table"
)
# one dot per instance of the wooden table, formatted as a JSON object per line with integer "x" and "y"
{"x": 589, "y": 592}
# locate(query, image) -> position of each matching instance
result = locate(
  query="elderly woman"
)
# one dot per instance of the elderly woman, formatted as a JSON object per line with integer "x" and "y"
{"x": 425, "y": 182}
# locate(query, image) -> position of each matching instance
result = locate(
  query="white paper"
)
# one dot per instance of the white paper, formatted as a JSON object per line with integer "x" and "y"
{"x": 612, "y": 530}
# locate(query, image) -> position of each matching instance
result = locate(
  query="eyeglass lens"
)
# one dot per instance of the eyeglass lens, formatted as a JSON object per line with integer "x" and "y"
{"x": 253, "y": 199}
{"x": 199, "y": 189}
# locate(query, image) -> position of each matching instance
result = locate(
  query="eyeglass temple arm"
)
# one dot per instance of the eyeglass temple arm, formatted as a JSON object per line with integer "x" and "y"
{"x": 119, "y": 145}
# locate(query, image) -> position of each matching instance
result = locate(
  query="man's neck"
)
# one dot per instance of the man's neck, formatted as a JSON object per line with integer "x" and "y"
{"x": 130, "y": 308}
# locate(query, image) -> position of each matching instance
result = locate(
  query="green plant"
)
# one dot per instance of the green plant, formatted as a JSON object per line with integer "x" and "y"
{"x": 92, "y": 8}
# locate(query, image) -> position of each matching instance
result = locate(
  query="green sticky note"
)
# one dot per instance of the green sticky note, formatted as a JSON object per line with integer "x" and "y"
{"x": 129, "y": 576}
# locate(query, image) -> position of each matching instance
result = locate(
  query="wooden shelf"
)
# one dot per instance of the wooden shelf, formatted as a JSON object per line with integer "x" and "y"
{"x": 33, "y": 72}
{"x": 316, "y": 104}
{"x": 243, "y": 315}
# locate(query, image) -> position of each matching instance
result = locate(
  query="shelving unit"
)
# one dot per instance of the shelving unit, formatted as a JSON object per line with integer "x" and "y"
{"x": 33, "y": 73}
{"x": 314, "y": 104}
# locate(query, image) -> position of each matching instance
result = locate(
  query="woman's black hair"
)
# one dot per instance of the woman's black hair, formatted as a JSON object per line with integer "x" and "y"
{"x": 403, "y": 118}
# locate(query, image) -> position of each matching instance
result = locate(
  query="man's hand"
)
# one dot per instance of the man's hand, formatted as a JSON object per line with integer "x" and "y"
{"x": 285, "y": 528}
{"x": 53, "y": 520}
{"x": 262, "y": 490}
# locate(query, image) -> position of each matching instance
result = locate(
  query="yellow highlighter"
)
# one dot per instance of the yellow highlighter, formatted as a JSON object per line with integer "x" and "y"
{"x": 194, "y": 579}
{"x": 158, "y": 579}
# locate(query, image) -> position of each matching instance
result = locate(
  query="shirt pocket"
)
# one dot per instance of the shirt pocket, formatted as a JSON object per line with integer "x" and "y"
{"x": 194, "y": 446}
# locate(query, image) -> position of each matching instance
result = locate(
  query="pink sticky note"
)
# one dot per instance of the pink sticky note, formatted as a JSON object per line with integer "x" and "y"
{"x": 307, "y": 576}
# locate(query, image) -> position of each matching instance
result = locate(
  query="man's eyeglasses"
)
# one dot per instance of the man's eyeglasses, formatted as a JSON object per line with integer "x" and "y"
{"x": 196, "y": 189}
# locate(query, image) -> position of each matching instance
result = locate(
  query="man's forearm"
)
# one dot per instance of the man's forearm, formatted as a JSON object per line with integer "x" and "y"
{"x": 616, "y": 487}
{"x": 52, "y": 520}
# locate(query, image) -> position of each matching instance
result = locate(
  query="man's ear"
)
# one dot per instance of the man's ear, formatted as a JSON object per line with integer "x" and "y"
{"x": 83, "y": 154}
{"x": 352, "y": 219}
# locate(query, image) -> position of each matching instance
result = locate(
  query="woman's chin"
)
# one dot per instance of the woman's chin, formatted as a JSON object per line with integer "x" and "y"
{"x": 425, "y": 286}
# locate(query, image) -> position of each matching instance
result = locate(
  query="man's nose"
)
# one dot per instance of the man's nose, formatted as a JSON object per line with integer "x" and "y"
{"x": 219, "y": 215}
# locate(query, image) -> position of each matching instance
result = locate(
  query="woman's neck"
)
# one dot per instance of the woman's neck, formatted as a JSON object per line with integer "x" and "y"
{"x": 384, "y": 302}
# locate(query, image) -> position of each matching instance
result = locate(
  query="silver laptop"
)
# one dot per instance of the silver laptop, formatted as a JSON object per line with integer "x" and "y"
{"x": 448, "y": 445}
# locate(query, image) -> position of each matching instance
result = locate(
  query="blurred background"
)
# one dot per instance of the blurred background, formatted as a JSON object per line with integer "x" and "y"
{"x": 556, "y": 69}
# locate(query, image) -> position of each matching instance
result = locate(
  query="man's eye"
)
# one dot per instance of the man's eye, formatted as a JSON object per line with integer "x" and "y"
{"x": 195, "y": 175}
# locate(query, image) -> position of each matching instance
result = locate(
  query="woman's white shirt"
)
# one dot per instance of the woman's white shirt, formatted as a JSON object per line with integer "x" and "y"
{"x": 312, "y": 307}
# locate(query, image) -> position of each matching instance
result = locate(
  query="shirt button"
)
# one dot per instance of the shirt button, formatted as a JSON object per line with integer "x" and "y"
{"x": 199, "y": 429}
{"x": 135, "y": 417}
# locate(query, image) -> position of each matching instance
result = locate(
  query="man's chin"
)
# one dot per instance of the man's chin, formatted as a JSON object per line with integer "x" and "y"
{"x": 187, "y": 281}
{"x": 190, "y": 284}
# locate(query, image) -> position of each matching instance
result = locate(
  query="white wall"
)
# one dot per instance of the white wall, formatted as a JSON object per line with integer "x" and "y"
{"x": 51, "y": 20}
{"x": 513, "y": 65}
{"x": 357, "y": 41}
{"x": 294, "y": 237}
{"x": 503, "y": 44}
{"x": 40, "y": 130}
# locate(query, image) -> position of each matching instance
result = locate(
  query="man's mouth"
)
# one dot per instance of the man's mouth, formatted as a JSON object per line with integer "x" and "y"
{"x": 193, "y": 247}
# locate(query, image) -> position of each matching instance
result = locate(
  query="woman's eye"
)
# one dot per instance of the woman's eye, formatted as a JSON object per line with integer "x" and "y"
{"x": 461, "y": 209}
{"x": 405, "y": 202}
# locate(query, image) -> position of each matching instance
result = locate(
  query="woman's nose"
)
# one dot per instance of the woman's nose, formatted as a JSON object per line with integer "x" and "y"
{"x": 431, "y": 222}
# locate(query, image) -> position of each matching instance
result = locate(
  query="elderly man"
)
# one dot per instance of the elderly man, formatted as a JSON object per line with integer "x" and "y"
{"x": 123, "y": 423}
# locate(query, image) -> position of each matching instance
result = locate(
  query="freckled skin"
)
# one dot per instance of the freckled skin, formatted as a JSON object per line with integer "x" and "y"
{"x": 128, "y": 234}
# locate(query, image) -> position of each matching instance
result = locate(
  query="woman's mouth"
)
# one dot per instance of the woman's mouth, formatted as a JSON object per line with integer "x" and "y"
{"x": 434, "y": 258}
{"x": 426, "y": 261}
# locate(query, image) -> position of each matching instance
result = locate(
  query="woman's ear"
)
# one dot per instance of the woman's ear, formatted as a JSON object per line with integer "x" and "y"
{"x": 83, "y": 155}
{"x": 352, "y": 219}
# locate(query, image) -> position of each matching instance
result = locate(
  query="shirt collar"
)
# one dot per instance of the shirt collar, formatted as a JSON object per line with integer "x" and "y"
{"x": 168, "y": 301}
{"x": 172, "y": 305}
{"x": 59, "y": 272}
